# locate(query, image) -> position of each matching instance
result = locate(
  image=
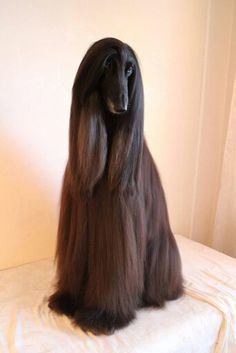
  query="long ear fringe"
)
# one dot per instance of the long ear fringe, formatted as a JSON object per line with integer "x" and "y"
{"x": 124, "y": 158}
{"x": 88, "y": 145}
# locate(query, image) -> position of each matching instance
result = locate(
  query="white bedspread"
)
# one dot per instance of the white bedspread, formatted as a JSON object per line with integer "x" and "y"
{"x": 211, "y": 277}
{"x": 202, "y": 321}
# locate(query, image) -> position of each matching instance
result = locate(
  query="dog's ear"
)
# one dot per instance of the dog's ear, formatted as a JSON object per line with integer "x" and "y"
{"x": 88, "y": 144}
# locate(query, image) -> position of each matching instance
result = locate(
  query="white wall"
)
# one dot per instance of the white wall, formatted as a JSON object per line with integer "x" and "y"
{"x": 184, "y": 49}
{"x": 215, "y": 101}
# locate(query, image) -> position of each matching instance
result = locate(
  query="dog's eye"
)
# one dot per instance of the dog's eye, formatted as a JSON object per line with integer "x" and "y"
{"x": 107, "y": 63}
{"x": 129, "y": 70}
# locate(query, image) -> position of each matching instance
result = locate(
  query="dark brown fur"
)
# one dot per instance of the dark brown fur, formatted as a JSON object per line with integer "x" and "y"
{"x": 115, "y": 248}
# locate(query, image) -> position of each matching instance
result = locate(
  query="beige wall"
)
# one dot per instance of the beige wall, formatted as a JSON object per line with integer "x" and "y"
{"x": 185, "y": 52}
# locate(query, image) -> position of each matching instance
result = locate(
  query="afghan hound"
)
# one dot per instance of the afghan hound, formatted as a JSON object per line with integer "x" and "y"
{"x": 115, "y": 248}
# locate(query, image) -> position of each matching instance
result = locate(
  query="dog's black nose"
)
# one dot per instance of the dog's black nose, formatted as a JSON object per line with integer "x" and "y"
{"x": 121, "y": 110}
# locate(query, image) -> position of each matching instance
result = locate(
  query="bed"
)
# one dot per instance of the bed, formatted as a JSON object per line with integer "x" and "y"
{"x": 202, "y": 321}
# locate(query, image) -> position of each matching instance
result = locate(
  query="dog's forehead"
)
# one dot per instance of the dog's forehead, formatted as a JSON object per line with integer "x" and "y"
{"x": 122, "y": 56}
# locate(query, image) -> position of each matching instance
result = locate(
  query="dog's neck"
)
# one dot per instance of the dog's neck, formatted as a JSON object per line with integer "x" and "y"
{"x": 111, "y": 125}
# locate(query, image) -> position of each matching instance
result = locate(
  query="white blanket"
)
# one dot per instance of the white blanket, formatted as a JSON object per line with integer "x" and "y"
{"x": 211, "y": 277}
{"x": 202, "y": 321}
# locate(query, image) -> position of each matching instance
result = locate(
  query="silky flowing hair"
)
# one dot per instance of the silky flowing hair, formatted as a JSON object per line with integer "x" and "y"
{"x": 115, "y": 248}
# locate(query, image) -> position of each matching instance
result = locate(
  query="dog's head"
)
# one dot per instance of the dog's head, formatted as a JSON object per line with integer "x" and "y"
{"x": 115, "y": 81}
{"x": 111, "y": 68}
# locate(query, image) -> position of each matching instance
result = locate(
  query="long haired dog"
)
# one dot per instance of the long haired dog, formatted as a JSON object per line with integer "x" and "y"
{"x": 115, "y": 249}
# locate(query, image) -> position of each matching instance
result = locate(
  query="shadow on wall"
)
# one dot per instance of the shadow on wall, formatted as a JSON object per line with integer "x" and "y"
{"x": 28, "y": 215}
